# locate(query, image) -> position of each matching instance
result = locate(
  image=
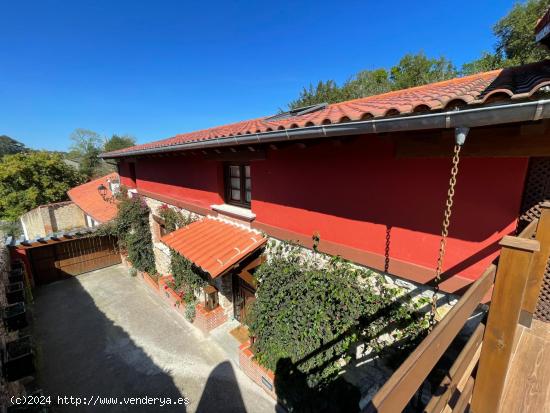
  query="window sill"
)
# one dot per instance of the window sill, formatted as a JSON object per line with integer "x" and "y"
{"x": 234, "y": 211}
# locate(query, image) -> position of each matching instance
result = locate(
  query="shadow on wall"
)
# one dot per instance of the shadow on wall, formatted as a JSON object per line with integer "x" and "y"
{"x": 381, "y": 189}
{"x": 112, "y": 365}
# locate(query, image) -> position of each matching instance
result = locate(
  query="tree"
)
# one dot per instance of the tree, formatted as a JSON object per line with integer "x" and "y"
{"x": 324, "y": 92}
{"x": 28, "y": 180}
{"x": 516, "y": 43}
{"x": 10, "y": 146}
{"x": 515, "y": 33}
{"x": 412, "y": 70}
{"x": 487, "y": 61}
{"x": 86, "y": 148}
{"x": 367, "y": 83}
{"x": 417, "y": 69}
{"x": 117, "y": 142}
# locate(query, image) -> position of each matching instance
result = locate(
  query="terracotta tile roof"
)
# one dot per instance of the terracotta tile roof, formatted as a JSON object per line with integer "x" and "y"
{"x": 514, "y": 83}
{"x": 90, "y": 201}
{"x": 213, "y": 244}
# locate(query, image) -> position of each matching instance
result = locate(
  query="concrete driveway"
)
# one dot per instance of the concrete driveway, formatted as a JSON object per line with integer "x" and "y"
{"x": 103, "y": 335}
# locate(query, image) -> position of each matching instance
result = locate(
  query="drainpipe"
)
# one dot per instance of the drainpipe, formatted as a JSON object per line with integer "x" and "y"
{"x": 464, "y": 119}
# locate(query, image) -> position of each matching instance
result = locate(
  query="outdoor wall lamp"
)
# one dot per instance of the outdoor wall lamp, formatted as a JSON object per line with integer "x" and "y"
{"x": 102, "y": 191}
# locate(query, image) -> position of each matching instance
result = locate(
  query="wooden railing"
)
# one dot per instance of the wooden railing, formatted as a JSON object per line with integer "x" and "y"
{"x": 469, "y": 384}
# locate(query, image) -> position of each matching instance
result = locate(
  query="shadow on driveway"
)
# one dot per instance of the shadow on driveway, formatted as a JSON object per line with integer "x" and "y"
{"x": 83, "y": 353}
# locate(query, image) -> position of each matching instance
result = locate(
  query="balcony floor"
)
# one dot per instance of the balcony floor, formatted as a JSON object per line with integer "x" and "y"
{"x": 527, "y": 386}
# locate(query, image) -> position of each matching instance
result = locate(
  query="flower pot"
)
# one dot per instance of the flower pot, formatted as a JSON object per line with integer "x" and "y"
{"x": 15, "y": 276}
{"x": 18, "y": 359}
{"x": 15, "y": 293}
{"x": 15, "y": 316}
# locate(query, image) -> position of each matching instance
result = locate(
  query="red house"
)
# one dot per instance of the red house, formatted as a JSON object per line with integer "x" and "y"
{"x": 369, "y": 176}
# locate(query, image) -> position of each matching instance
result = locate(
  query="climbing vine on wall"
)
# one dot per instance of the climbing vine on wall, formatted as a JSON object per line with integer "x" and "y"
{"x": 174, "y": 219}
{"x": 187, "y": 278}
{"x": 131, "y": 227}
{"x": 310, "y": 311}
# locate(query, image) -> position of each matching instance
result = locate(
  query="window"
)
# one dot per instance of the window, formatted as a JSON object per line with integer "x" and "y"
{"x": 238, "y": 185}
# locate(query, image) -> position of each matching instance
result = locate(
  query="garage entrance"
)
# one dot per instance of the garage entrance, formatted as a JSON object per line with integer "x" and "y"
{"x": 67, "y": 258}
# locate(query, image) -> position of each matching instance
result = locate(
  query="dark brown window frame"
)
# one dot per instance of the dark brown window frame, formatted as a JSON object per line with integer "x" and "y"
{"x": 242, "y": 187}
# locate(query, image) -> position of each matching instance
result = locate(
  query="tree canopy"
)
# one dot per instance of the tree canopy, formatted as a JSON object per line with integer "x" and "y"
{"x": 28, "y": 180}
{"x": 412, "y": 70}
{"x": 10, "y": 146}
{"x": 515, "y": 45}
{"x": 117, "y": 142}
{"x": 418, "y": 69}
{"x": 86, "y": 147}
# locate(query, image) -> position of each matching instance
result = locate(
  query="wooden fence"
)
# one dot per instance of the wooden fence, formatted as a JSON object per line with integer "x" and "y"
{"x": 476, "y": 379}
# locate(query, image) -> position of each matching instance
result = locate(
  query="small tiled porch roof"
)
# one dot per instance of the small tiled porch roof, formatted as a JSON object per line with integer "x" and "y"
{"x": 87, "y": 197}
{"x": 213, "y": 244}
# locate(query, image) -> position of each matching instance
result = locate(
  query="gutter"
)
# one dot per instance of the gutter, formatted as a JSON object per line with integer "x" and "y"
{"x": 464, "y": 118}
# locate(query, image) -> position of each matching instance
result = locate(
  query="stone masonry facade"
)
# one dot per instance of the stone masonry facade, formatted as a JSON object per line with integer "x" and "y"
{"x": 368, "y": 373}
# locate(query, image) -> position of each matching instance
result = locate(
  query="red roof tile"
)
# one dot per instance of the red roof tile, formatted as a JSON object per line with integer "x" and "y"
{"x": 87, "y": 197}
{"x": 515, "y": 83}
{"x": 213, "y": 244}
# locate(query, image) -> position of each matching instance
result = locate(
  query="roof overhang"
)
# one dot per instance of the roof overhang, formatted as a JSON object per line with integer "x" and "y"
{"x": 468, "y": 117}
{"x": 54, "y": 238}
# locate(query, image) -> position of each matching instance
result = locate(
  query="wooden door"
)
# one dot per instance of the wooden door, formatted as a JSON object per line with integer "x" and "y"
{"x": 244, "y": 294}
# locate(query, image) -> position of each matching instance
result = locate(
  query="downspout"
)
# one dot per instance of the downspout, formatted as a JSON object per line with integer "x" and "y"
{"x": 465, "y": 118}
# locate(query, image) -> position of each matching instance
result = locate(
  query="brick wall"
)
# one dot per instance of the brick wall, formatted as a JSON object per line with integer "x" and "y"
{"x": 261, "y": 376}
{"x": 207, "y": 320}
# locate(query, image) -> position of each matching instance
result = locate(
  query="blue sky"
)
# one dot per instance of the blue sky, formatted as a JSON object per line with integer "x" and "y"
{"x": 153, "y": 69}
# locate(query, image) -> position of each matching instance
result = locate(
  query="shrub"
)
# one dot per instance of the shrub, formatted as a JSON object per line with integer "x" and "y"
{"x": 310, "y": 311}
{"x": 190, "y": 312}
{"x": 133, "y": 272}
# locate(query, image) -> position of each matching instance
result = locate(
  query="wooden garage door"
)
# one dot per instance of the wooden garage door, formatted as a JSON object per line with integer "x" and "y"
{"x": 66, "y": 259}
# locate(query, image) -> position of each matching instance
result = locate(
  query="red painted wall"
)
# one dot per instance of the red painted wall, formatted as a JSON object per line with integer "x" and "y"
{"x": 124, "y": 173}
{"x": 190, "y": 179}
{"x": 353, "y": 194}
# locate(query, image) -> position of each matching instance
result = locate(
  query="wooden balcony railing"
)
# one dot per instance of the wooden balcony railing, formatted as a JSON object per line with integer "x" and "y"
{"x": 476, "y": 379}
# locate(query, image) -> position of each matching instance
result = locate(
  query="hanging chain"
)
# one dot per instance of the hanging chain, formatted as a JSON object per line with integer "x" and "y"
{"x": 444, "y": 233}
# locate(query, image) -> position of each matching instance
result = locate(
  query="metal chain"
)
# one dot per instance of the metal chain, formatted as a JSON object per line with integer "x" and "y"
{"x": 444, "y": 233}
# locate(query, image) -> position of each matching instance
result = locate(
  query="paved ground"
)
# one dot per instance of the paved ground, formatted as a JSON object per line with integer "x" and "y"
{"x": 104, "y": 334}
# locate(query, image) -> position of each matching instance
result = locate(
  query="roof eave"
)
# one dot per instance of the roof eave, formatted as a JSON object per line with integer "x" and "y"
{"x": 470, "y": 117}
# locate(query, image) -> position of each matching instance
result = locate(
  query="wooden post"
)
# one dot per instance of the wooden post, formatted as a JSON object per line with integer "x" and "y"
{"x": 538, "y": 266}
{"x": 511, "y": 279}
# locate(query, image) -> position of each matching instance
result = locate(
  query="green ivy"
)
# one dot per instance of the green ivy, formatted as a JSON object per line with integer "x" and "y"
{"x": 310, "y": 312}
{"x": 131, "y": 227}
{"x": 174, "y": 219}
{"x": 187, "y": 277}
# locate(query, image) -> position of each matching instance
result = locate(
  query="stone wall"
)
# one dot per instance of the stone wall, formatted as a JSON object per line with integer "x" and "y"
{"x": 46, "y": 219}
{"x": 161, "y": 251}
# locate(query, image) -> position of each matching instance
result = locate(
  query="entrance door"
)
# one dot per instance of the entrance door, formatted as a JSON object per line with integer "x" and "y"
{"x": 244, "y": 294}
